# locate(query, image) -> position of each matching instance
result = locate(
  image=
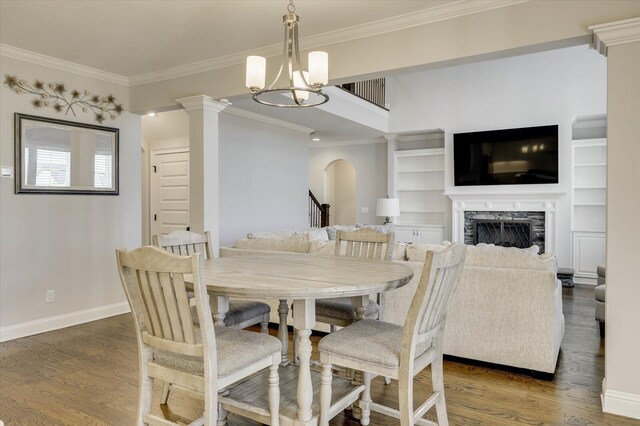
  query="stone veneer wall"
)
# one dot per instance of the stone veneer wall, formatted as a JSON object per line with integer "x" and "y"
{"x": 537, "y": 219}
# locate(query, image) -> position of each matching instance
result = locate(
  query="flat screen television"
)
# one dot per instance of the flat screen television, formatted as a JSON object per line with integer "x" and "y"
{"x": 522, "y": 156}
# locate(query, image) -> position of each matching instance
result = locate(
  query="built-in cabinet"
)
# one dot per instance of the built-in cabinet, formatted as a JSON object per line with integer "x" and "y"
{"x": 418, "y": 183}
{"x": 589, "y": 206}
{"x": 423, "y": 234}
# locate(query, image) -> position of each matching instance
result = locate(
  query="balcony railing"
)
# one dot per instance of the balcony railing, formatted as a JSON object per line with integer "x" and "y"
{"x": 370, "y": 90}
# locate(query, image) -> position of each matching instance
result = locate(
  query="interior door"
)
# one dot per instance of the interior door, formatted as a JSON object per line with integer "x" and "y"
{"x": 169, "y": 192}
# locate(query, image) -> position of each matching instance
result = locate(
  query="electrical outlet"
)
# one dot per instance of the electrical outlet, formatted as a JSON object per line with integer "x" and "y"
{"x": 50, "y": 296}
{"x": 364, "y": 209}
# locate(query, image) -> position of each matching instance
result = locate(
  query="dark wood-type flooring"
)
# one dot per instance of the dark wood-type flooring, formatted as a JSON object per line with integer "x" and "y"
{"x": 88, "y": 375}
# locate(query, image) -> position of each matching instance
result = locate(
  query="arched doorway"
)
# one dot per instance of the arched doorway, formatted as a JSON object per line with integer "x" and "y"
{"x": 340, "y": 192}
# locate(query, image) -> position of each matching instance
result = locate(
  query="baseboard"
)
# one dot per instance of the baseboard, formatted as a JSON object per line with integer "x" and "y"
{"x": 620, "y": 403}
{"x": 43, "y": 325}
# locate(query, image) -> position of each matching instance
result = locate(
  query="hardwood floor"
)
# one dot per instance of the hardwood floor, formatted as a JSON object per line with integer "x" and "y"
{"x": 87, "y": 375}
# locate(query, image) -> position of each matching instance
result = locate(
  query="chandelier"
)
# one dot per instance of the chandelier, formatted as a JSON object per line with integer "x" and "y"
{"x": 293, "y": 87}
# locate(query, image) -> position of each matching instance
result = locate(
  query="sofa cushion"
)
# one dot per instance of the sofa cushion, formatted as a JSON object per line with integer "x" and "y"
{"x": 418, "y": 252}
{"x": 492, "y": 256}
{"x": 399, "y": 251}
{"x": 380, "y": 228}
{"x": 601, "y": 271}
{"x": 314, "y": 234}
{"x": 297, "y": 244}
{"x": 278, "y": 235}
{"x": 332, "y": 230}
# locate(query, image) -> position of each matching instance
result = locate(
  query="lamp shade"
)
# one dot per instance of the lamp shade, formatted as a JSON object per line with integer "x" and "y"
{"x": 318, "y": 68}
{"x": 256, "y": 72}
{"x": 389, "y": 207}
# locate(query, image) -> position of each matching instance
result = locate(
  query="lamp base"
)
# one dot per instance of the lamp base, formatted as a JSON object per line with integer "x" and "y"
{"x": 387, "y": 220}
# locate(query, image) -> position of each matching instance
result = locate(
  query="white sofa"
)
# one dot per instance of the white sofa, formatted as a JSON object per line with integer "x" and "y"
{"x": 507, "y": 309}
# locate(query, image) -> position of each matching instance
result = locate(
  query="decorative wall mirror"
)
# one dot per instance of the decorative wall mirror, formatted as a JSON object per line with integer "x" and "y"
{"x": 63, "y": 157}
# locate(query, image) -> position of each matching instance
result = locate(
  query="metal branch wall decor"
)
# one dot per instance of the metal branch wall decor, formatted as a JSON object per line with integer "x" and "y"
{"x": 57, "y": 96}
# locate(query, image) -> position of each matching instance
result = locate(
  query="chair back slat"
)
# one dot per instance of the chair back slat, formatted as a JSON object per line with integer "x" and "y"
{"x": 171, "y": 304}
{"x": 427, "y": 313}
{"x": 154, "y": 283}
{"x": 366, "y": 243}
{"x": 185, "y": 243}
{"x": 149, "y": 303}
{"x": 160, "y": 305}
{"x": 184, "y": 309}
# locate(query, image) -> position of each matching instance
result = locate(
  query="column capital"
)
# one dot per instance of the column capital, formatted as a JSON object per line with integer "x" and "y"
{"x": 614, "y": 33}
{"x": 192, "y": 103}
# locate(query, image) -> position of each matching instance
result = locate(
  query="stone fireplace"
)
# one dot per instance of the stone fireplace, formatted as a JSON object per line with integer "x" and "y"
{"x": 505, "y": 228}
{"x": 506, "y": 218}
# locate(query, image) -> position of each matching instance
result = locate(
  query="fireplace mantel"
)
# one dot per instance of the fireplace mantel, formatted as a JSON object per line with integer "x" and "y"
{"x": 546, "y": 202}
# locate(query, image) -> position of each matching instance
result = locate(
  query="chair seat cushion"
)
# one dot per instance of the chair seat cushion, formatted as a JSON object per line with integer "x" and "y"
{"x": 239, "y": 312}
{"x": 236, "y": 350}
{"x": 371, "y": 341}
{"x": 341, "y": 308}
{"x": 600, "y": 291}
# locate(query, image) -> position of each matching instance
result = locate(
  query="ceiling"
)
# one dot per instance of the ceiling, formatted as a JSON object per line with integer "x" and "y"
{"x": 130, "y": 38}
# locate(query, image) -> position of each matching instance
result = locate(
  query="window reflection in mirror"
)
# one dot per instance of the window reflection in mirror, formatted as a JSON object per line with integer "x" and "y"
{"x": 61, "y": 157}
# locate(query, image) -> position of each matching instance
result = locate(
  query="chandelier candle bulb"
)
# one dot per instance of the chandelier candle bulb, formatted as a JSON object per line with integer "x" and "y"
{"x": 300, "y": 81}
{"x": 256, "y": 72}
{"x": 318, "y": 68}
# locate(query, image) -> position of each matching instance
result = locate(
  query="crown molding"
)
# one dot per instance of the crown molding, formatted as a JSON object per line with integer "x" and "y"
{"x": 382, "y": 26}
{"x": 192, "y": 103}
{"x": 62, "y": 65}
{"x": 268, "y": 120}
{"x": 615, "y": 33}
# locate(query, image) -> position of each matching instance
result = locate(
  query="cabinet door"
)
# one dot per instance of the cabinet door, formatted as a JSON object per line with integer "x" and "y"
{"x": 430, "y": 235}
{"x": 588, "y": 253}
{"x": 403, "y": 235}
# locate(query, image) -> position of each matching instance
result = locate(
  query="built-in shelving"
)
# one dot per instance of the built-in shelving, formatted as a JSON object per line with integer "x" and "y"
{"x": 419, "y": 185}
{"x": 589, "y": 207}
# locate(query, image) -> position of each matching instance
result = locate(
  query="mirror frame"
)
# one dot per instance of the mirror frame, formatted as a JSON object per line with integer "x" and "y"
{"x": 19, "y": 179}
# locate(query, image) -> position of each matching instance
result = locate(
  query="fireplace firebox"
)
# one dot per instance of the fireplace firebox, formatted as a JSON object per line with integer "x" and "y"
{"x": 504, "y": 228}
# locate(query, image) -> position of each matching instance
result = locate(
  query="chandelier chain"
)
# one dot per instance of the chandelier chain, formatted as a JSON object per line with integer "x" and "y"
{"x": 291, "y": 8}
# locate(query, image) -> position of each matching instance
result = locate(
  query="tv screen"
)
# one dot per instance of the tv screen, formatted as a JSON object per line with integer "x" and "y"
{"x": 506, "y": 157}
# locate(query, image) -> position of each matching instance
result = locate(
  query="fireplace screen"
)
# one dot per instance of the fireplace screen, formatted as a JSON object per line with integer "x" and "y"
{"x": 506, "y": 233}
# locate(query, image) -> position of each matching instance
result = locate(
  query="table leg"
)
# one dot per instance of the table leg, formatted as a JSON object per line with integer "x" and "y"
{"x": 304, "y": 318}
{"x": 360, "y": 304}
{"x": 219, "y": 308}
{"x": 283, "y": 331}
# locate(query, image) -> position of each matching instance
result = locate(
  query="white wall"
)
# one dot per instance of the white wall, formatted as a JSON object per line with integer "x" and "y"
{"x": 264, "y": 182}
{"x": 64, "y": 243}
{"x": 263, "y": 171}
{"x": 370, "y": 163}
{"x": 542, "y": 88}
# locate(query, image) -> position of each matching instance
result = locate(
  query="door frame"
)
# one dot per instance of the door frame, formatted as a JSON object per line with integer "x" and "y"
{"x": 152, "y": 189}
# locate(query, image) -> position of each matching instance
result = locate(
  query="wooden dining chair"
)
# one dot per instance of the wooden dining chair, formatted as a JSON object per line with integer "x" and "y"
{"x": 171, "y": 348}
{"x": 380, "y": 348}
{"x": 363, "y": 243}
{"x": 241, "y": 313}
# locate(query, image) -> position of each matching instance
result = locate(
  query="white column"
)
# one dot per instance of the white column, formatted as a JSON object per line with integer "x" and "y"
{"x": 391, "y": 165}
{"x": 204, "y": 180}
{"x": 620, "y": 42}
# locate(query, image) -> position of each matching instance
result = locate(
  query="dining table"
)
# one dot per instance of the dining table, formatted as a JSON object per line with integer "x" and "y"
{"x": 299, "y": 279}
